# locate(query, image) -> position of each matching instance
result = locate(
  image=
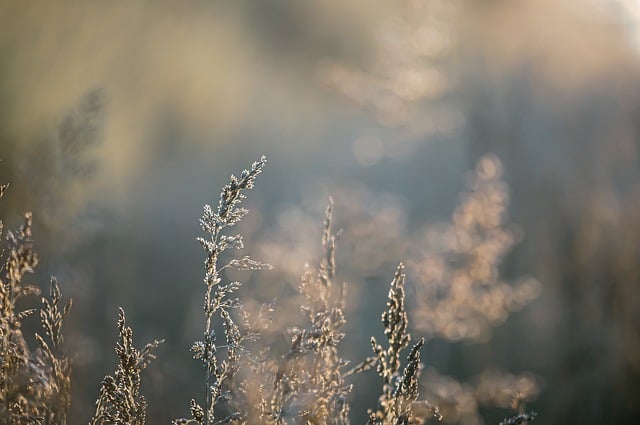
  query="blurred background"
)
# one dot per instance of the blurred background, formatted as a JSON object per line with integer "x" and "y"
{"x": 119, "y": 120}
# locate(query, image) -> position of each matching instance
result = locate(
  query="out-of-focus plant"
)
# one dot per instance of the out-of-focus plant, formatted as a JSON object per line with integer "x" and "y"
{"x": 65, "y": 165}
{"x": 406, "y": 70}
{"x": 308, "y": 382}
{"x": 460, "y": 292}
{"x": 405, "y": 83}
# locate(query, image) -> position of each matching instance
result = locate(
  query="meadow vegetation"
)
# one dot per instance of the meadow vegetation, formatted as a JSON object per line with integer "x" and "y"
{"x": 247, "y": 380}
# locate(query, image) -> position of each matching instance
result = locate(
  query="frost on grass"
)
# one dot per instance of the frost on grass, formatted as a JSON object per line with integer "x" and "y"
{"x": 519, "y": 419}
{"x": 120, "y": 400}
{"x": 35, "y": 384}
{"x": 222, "y": 361}
{"x": 399, "y": 402}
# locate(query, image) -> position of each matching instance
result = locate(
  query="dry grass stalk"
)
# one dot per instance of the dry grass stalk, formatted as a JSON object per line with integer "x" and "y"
{"x": 35, "y": 385}
{"x": 120, "y": 401}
